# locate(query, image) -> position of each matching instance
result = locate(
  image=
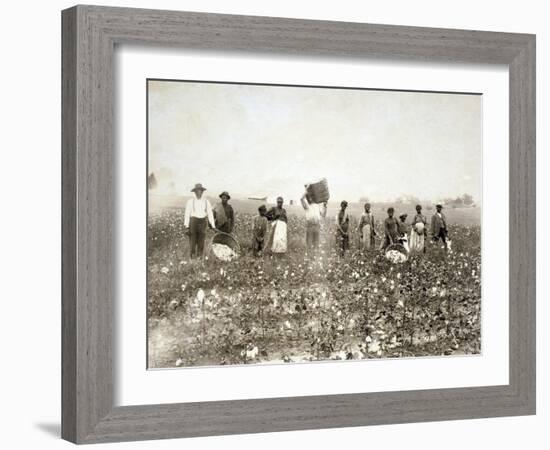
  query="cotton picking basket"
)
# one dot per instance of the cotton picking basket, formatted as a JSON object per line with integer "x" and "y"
{"x": 225, "y": 239}
{"x": 399, "y": 247}
{"x": 318, "y": 192}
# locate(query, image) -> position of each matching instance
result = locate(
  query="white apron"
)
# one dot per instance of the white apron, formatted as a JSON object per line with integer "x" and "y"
{"x": 279, "y": 237}
{"x": 417, "y": 240}
{"x": 367, "y": 236}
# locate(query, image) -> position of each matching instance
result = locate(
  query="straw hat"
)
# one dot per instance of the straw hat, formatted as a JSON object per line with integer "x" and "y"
{"x": 198, "y": 187}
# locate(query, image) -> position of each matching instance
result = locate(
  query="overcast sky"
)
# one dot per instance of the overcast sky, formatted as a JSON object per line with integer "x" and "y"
{"x": 271, "y": 140}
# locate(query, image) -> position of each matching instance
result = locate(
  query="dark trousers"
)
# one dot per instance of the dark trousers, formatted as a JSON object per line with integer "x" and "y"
{"x": 442, "y": 235}
{"x": 257, "y": 246}
{"x": 197, "y": 235}
{"x": 312, "y": 236}
{"x": 342, "y": 241}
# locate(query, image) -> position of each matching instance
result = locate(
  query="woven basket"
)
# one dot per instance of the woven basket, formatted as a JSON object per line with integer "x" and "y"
{"x": 225, "y": 239}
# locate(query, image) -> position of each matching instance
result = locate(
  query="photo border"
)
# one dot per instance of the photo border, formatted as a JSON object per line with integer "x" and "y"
{"x": 89, "y": 37}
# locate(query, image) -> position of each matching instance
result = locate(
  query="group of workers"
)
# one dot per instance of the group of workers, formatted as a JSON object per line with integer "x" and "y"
{"x": 270, "y": 226}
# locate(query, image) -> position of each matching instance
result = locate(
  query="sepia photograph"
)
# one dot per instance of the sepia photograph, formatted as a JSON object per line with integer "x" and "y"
{"x": 298, "y": 224}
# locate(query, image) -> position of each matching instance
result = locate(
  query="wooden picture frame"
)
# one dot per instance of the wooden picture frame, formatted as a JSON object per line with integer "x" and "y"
{"x": 89, "y": 37}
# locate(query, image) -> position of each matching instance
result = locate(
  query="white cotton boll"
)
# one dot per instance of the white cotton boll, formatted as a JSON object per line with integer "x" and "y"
{"x": 374, "y": 346}
{"x": 224, "y": 252}
{"x": 200, "y": 295}
{"x": 252, "y": 352}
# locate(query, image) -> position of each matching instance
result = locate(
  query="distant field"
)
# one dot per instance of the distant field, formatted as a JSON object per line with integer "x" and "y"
{"x": 459, "y": 216}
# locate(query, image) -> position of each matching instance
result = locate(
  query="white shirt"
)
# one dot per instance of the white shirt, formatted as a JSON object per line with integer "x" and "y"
{"x": 314, "y": 211}
{"x": 199, "y": 208}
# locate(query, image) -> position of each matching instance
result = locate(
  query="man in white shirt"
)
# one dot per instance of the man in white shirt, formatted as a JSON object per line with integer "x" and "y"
{"x": 198, "y": 214}
{"x": 314, "y": 213}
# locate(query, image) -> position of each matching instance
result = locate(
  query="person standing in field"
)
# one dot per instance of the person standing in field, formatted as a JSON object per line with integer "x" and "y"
{"x": 419, "y": 231}
{"x": 278, "y": 219}
{"x": 403, "y": 228}
{"x": 439, "y": 226}
{"x": 224, "y": 215}
{"x": 391, "y": 230}
{"x": 198, "y": 215}
{"x": 314, "y": 213}
{"x": 259, "y": 231}
{"x": 366, "y": 229}
{"x": 342, "y": 228}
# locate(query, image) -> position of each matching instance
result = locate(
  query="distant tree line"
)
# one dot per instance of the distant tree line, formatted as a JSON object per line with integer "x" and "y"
{"x": 465, "y": 200}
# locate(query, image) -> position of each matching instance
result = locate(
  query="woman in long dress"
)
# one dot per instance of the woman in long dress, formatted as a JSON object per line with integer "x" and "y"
{"x": 419, "y": 231}
{"x": 366, "y": 229}
{"x": 278, "y": 219}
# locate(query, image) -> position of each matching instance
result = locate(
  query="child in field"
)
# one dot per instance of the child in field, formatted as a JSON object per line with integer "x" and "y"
{"x": 391, "y": 230}
{"x": 342, "y": 228}
{"x": 259, "y": 231}
{"x": 402, "y": 226}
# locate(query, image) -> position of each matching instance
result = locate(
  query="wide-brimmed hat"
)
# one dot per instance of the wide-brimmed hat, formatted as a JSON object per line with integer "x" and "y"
{"x": 403, "y": 216}
{"x": 439, "y": 206}
{"x": 226, "y": 194}
{"x": 198, "y": 187}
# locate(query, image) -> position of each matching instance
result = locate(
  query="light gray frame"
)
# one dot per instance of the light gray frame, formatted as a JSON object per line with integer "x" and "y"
{"x": 89, "y": 36}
